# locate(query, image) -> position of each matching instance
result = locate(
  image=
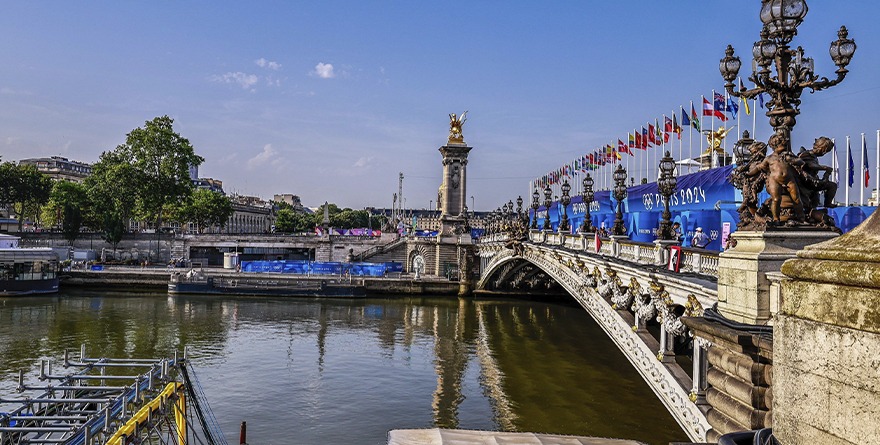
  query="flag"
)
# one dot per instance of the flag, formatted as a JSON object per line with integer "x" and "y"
{"x": 695, "y": 120}
{"x": 852, "y": 166}
{"x": 865, "y": 157}
{"x": 745, "y": 101}
{"x": 623, "y": 148}
{"x": 761, "y": 100}
{"x": 632, "y": 141}
{"x": 720, "y": 106}
{"x": 644, "y": 138}
{"x": 652, "y": 134}
{"x": 675, "y": 127}
{"x": 685, "y": 120}
{"x": 732, "y": 107}
{"x": 709, "y": 110}
{"x": 661, "y": 136}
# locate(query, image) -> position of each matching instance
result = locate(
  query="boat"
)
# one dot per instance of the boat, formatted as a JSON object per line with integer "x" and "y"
{"x": 200, "y": 283}
{"x": 26, "y": 271}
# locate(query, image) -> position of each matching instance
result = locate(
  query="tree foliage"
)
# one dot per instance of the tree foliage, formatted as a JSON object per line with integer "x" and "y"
{"x": 205, "y": 208}
{"x": 161, "y": 160}
{"x": 24, "y": 189}
{"x": 68, "y": 206}
{"x": 289, "y": 221}
{"x": 112, "y": 191}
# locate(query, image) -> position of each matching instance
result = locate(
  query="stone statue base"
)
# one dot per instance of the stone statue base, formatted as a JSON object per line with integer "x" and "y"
{"x": 826, "y": 382}
{"x": 743, "y": 288}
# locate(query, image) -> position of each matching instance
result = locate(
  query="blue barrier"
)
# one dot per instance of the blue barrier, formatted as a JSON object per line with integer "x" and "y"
{"x": 321, "y": 268}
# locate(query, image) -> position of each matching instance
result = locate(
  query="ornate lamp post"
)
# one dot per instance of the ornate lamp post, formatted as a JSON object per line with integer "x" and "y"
{"x": 619, "y": 195}
{"x": 547, "y": 201}
{"x": 666, "y": 184}
{"x": 794, "y": 72}
{"x": 741, "y": 151}
{"x": 535, "y": 205}
{"x": 564, "y": 201}
{"x": 519, "y": 211}
{"x": 587, "y": 197}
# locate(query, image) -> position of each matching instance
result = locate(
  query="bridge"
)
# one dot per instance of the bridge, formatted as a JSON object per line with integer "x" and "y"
{"x": 626, "y": 288}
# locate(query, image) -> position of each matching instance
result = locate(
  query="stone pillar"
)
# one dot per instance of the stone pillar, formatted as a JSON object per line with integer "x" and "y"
{"x": 666, "y": 353}
{"x": 826, "y": 377}
{"x": 732, "y": 373}
{"x": 454, "y": 186}
{"x": 743, "y": 288}
{"x": 661, "y": 251}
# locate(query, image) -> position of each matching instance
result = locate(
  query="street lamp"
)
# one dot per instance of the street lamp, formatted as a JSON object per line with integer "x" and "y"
{"x": 519, "y": 203}
{"x": 666, "y": 186}
{"x": 535, "y": 205}
{"x": 547, "y": 201}
{"x": 587, "y": 197}
{"x": 619, "y": 195}
{"x": 794, "y": 71}
{"x": 741, "y": 152}
{"x": 564, "y": 201}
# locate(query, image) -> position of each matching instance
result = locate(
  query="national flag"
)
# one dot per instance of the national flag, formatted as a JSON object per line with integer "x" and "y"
{"x": 661, "y": 136}
{"x": 644, "y": 138}
{"x": 865, "y": 157}
{"x": 685, "y": 120}
{"x": 675, "y": 127}
{"x": 695, "y": 120}
{"x": 709, "y": 110}
{"x": 652, "y": 134}
{"x": 852, "y": 166}
{"x": 638, "y": 137}
{"x": 745, "y": 101}
{"x": 761, "y": 100}
{"x": 720, "y": 106}
{"x": 632, "y": 141}
{"x": 732, "y": 107}
{"x": 623, "y": 148}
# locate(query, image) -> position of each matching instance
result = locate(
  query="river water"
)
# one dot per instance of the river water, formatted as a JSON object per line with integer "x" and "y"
{"x": 348, "y": 371}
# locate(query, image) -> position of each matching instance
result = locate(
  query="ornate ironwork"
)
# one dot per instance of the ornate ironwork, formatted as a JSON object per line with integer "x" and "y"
{"x": 564, "y": 201}
{"x": 619, "y": 195}
{"x": 587, "y": 197}
{"x": 548, "y": 194}
{"x": 666, "y": 186}
{"x": 535, "y": 205}
{"x": 782, "y": 171}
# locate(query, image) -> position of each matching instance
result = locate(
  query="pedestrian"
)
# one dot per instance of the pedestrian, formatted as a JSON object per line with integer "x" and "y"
{"x": 676, "y": 228}
{"x": 700, "y": 240}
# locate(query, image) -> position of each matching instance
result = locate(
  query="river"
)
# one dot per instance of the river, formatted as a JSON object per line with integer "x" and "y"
{"x": 348, "y": 371}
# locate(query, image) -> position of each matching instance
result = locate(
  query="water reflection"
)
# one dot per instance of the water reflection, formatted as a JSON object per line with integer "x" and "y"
{"x": 347, "y": 371}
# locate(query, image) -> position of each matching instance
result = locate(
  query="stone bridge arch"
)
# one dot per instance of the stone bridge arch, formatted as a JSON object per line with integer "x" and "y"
{"x": 608, "y": 291}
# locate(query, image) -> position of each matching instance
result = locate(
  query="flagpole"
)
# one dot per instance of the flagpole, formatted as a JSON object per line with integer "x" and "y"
{"x": 877, "y": 170}
{"x": 834, "y": 163}
{"x": 754, "y": 118}
{"x": 691, "y": 140}
{"x": 738, "y": 131}
{"x": 702, "y": 104}
{"x": 862, "y": 182}
{"x": 848, "y": 156}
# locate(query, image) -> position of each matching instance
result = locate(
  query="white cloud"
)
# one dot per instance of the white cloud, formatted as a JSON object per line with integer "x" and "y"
{"x": 324, "y": 70}
{"x": 364, "y": 161}
{"x": 269, "y": 64}
{"x": 246, "y": 81}
{"x": 267, "y": 156}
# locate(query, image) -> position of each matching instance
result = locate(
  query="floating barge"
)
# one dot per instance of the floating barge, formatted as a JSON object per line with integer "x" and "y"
{"x": 199, "y": 283}
{"x": 26, "y": 271}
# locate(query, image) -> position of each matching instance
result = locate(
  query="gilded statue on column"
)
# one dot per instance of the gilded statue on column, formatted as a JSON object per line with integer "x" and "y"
{"x": 455, "y": 125}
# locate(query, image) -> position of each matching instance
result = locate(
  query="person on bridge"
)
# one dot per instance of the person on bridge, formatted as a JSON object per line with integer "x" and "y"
{"x": 700, "y": 240}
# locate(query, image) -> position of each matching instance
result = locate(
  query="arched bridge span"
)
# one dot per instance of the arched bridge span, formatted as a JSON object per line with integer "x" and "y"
{"x": 623, "y": 293}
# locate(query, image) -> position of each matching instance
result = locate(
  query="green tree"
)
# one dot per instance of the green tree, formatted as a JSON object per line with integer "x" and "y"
{"x": 112, "y": 190}
{"x": 24, "y": 189}
{"x": 289, "y": 221}
{"x": 69, "y": 207}
{"x": 205, "y": 208}
{"x": 162, "y": 159}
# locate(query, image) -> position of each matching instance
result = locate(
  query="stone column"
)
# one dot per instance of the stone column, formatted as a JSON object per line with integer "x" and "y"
{"x": 701, "y": 366}
{"x": 743, "y": 288}
{"x": 826, "y": 378}
{"x": 454, "y": 186}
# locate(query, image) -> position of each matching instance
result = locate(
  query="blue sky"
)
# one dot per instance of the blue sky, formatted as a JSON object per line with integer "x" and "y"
{"x": 330, "y": 100}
